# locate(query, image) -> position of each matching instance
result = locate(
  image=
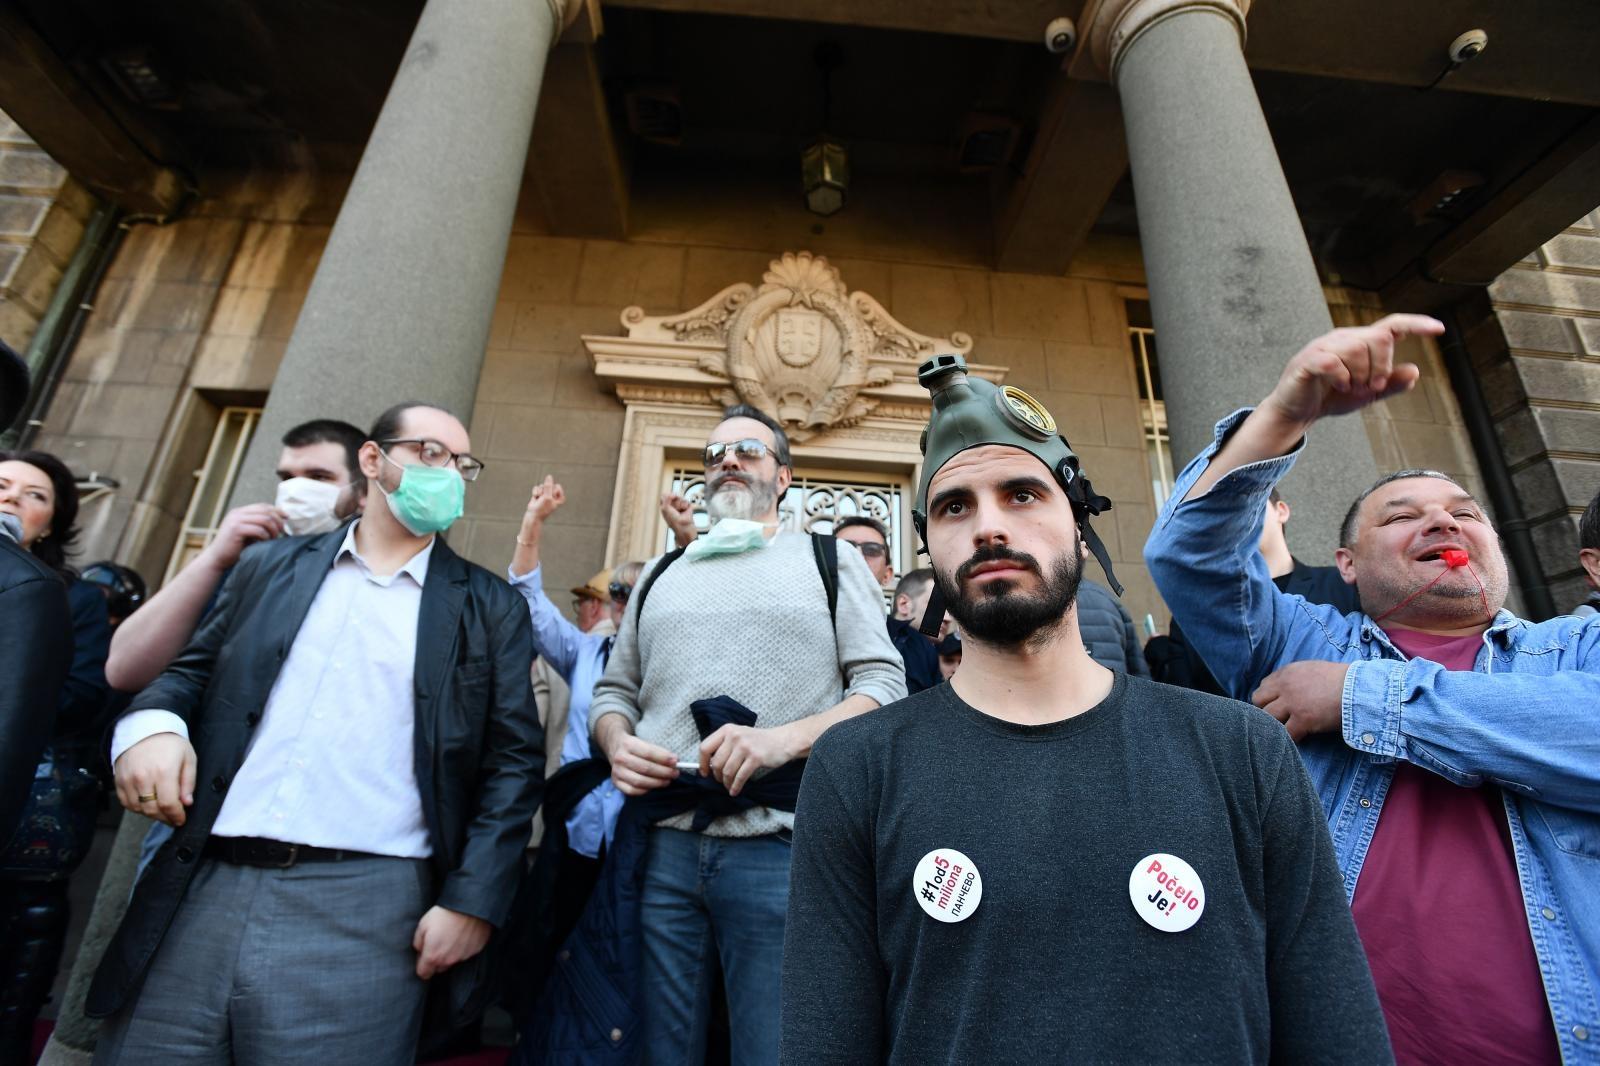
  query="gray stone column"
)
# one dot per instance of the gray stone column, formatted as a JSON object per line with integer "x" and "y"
{"x": 402, "y": 299}
{"x": 1232, "y": 284}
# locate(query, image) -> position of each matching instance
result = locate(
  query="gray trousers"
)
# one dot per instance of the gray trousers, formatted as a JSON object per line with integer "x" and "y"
{"x": 309, "y": 964}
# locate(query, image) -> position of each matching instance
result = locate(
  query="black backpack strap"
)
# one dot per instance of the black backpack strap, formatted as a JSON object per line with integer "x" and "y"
{"x": 823, "y": 547}
{"x": 826, "y": 549}
{"x": 650, "y": 580}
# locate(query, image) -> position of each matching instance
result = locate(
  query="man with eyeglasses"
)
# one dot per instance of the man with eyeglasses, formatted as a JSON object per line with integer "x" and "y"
{"x": 357, "y": 713}
{"x": 739, "y": 623}
{"x": 871, "y": 538}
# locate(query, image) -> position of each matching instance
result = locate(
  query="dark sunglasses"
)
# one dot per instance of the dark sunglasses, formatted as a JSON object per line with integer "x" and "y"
{"x": 619, "y": 591}
{"x": 749, "y": 449}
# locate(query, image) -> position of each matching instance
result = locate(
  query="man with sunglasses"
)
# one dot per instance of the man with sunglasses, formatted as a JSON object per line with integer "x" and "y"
{"x": 367, "y": 760}
{"x": 744, "y": 615}
{"x": 871, "y": 538}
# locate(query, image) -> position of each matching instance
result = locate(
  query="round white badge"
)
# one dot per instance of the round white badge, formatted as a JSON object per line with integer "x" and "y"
{"x": 1167, "y": 893}
{"x": 947, "y": 885}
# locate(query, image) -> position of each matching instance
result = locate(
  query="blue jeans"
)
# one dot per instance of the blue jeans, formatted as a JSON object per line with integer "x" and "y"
{"x": 702, "y": 893}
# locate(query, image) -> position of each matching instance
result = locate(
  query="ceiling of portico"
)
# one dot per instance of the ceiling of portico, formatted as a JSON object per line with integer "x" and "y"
{"x": 296, "y": 84}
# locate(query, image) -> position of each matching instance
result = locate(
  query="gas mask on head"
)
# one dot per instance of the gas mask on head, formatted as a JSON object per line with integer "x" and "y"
{"x": 969, "y": 412}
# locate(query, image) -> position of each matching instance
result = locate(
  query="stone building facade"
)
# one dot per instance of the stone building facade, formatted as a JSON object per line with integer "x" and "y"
{"x": 549, "y": 215}
{"x": 198, "y": 319}
{"x": 194, "y": 316}
{"x": 1540, "y": 363}
{"x": 43, "y": 213}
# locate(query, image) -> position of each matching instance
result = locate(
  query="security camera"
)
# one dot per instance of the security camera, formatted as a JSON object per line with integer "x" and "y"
{"x": 1468, "y": 46}
{"x": 1060, "y": 35}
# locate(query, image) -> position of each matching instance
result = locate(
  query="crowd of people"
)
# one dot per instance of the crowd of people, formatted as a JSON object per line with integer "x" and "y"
{"x": 760, "y": 799}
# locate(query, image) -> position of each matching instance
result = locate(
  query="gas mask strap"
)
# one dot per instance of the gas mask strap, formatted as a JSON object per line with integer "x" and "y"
{"x": 1097, "y": 548}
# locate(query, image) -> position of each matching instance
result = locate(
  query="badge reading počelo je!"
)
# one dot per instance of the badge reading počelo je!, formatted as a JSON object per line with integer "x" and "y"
{"x": 1167, "y": 892}
{"x": 947, "y": 885}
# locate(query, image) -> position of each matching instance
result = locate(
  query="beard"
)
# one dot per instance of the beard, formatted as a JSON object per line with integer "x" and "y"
{"x": 1001, "y": 615}
{"x": 1461, "y": 596}
{"x": 740, "y": 496}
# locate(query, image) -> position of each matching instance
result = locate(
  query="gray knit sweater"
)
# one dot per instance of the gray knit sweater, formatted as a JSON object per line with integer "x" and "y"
{"x": 755, "y": 627}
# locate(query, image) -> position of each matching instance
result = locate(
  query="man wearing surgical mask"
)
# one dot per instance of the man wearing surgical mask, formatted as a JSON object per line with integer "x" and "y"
{"x": 358, "y": 713}
{"x": 320, "y": 486}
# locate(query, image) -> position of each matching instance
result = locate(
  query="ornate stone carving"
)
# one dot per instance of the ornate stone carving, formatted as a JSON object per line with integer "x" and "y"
{"x": 833, "y": 365}
{"x": 800, "y": 346}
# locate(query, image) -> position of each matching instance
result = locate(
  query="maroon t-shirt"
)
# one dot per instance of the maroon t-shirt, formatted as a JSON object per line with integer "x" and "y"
{"x": 1440, "y": 912}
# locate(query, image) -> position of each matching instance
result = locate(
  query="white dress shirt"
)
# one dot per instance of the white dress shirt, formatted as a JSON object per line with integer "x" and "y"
{"x": 331, "y": 763}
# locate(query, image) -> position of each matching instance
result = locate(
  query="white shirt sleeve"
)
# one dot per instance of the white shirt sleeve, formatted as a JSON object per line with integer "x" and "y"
{"x": 141, "y": 724}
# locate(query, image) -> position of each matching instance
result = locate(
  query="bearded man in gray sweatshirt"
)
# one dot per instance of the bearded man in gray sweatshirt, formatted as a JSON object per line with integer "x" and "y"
{"x": 785, "y": 627}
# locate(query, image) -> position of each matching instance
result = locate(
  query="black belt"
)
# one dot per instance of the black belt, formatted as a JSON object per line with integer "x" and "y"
{"x": 259, "y": 851}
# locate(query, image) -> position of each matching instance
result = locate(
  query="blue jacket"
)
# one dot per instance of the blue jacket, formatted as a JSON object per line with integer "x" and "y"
{"x": 590, "y": 1010}
{"x": 1107, "y": 630}
{"x": 1526, "y": 719}
{"x": 922, "y": 661}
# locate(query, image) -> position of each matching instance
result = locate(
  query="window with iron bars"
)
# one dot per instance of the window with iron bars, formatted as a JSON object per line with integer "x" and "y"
{"x": 213, "y": 484}
{"x": 1152, "y": 409}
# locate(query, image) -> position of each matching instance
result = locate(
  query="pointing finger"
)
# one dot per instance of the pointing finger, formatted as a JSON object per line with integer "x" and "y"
{"x": 1406, "y": 325}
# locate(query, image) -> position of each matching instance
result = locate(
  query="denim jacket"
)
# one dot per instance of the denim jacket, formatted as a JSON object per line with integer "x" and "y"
{"x": 1526, "y": 718}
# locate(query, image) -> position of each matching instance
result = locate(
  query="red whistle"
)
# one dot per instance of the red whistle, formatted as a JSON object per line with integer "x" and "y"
{"x": 1454, "y": 557}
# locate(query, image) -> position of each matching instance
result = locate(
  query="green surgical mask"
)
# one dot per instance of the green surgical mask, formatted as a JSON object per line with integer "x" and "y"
{"x": 730, "y": 536}
{"x": 429, "y": 499}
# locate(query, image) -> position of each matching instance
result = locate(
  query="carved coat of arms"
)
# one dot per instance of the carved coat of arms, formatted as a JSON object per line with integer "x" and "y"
{"x": 800, "y": 347}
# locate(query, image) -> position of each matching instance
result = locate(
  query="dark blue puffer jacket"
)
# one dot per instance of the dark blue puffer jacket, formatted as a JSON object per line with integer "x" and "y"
{"x": 1108, "y": 631}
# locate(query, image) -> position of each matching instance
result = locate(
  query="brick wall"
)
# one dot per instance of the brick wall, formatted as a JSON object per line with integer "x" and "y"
{"x": 1536, "y": 347}
{"x": 42, "y": 218}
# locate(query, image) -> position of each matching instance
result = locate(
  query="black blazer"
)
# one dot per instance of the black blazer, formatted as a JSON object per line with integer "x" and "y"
{"x": 479, "y": 747}
{"x": 35, "y": 652}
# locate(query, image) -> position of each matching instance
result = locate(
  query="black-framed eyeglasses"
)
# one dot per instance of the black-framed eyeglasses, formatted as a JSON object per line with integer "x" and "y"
{"x": 749, "y": 449}
{"x": 620, "y": 591}
{"x": 432, "y": 453}
{"x": 871, "y": 550}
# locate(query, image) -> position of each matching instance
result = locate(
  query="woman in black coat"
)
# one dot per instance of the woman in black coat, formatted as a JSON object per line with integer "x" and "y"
{"x": 58, "y": 822}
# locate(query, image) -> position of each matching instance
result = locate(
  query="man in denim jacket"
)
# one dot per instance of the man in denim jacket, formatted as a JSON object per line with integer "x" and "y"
{"x": 1454, "y": 745}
